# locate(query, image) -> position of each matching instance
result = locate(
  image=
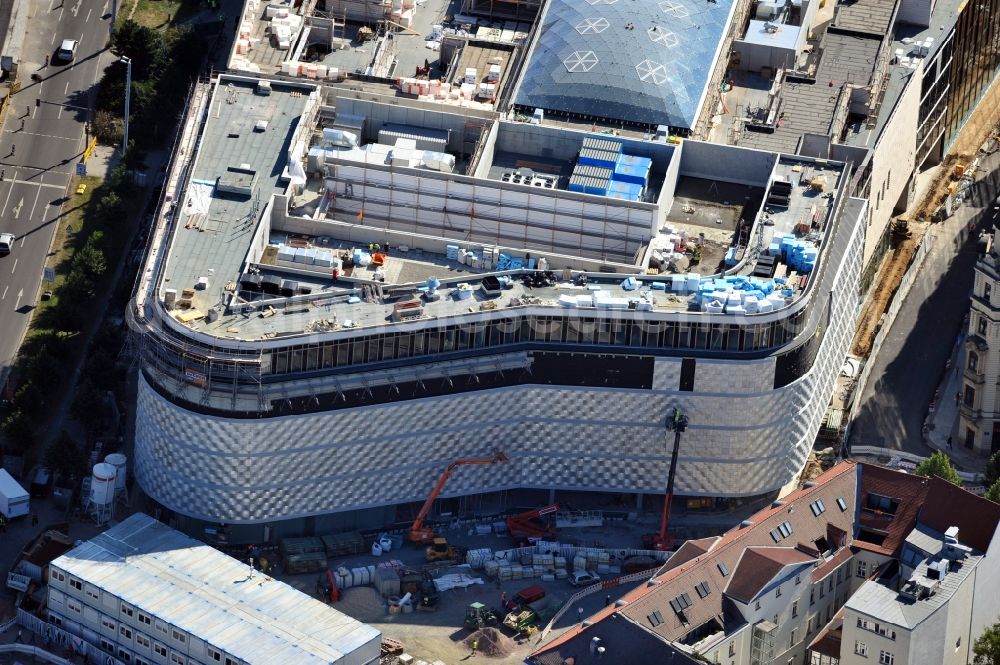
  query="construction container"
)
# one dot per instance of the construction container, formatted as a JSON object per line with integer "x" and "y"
{"x": 312, "y": 562}
{"x": 293, "y": 546}
{"x": 343, "y": 544}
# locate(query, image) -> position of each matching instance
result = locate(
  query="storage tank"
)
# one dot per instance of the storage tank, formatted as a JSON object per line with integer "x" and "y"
{"x": 117, "y": 460}
{"x": 102, "y": 485}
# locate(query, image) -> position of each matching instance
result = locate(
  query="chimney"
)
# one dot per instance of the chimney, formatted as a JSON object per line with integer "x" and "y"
{"x": 595, "y": 643}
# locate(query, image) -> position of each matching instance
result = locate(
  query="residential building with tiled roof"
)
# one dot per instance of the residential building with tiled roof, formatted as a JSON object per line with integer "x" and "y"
{"x": 787, "y": 585}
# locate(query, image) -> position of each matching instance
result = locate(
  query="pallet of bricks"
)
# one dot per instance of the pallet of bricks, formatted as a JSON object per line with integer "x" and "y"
{"x": 303, "y": 555}
{"x": 381, "y": 576}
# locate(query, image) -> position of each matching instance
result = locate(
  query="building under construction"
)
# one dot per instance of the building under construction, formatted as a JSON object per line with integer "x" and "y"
{"x": 346, "y": 292}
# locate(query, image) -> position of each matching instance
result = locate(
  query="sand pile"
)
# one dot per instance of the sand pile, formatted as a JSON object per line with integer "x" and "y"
{"x": 491, "y": 642}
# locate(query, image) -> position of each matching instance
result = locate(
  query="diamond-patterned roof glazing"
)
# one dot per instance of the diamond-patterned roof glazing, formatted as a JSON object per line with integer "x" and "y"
{"x": 640, "y": 61}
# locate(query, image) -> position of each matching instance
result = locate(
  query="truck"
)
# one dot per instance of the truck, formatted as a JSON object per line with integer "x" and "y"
{"x": 14, "y": 499}
{"x": 525, "y": 619}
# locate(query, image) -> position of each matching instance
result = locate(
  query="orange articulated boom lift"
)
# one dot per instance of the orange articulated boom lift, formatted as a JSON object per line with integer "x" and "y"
{"x": 421, "y": 534}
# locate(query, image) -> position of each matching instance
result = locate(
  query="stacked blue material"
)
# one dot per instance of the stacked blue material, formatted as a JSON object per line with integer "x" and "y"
{"x": 509, "y": 262}
{"x": 451, "y": 252}
{"x": 635, "y": 170}
{"x": 625, "y": 191}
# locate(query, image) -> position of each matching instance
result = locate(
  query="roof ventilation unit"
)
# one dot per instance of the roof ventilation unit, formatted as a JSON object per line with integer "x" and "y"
{"x": 263, "y": 88}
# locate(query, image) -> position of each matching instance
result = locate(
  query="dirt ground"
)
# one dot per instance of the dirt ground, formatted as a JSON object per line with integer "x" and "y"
{"x": 440, "y": 635}
{"x": 884, "y": 289}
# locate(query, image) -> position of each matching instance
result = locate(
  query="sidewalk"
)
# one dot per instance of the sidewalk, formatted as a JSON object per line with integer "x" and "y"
{"x": 941, "y": 424}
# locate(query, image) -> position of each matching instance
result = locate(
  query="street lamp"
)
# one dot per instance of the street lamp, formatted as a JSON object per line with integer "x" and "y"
{"x": 128, "y": 98}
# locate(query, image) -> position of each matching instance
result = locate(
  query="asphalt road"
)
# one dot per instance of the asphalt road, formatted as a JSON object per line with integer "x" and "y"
{"x": 911, "y": 362}
{"x": 41, "y": 141}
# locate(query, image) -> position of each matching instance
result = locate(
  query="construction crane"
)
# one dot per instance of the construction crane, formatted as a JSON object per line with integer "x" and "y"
{"x": 662, "y": 541}
{"x": 421, "y": 534}
{"x": 529, "y": 525}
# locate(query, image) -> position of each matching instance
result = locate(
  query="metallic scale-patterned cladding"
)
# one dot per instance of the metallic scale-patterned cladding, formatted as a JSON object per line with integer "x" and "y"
{"x": 746, "y": 438}
{"x": 257, "y": 407}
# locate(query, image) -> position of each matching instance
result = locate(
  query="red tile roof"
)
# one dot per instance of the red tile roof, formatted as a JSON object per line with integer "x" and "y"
{"x": 834, "y": 562}
{"x": 828, "y": 640}
{"x": 910, "y": 490}
{"x": 947, "y": 505}
{"x": 758, "y": 566}
{"x": 838, "y": 482}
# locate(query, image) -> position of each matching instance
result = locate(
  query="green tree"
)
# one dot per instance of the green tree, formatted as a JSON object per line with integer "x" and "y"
{"x": 30, "y": 399}
{"x": 108, "y": 128}
{"x": 90, "y": 259}
{"x": 64, "y": 458}
{"x": 143, "y": 45}
{"x": 938, "y": 464}
{"x": 987, "y": 647}
{"x": 993, "y": 493}
{"x": 991, "y": 473}
{"x": 20, "y": 434}
{"x": 88, "y": 405}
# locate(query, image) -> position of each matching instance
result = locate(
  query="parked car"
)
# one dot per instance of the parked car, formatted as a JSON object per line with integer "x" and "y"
{"x": 525, "y": 596}
{"x": 583, "y": 578}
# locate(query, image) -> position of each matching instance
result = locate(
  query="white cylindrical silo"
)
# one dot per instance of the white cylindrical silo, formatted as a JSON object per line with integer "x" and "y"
{"x": 117, "y": 460}
{"x": 102, "y": 485}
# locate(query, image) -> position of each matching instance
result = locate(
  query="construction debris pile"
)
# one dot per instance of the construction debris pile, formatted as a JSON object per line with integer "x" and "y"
{"x": 491, "y": 642}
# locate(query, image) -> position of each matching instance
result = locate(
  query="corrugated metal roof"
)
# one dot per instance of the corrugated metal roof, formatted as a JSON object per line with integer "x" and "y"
{"x": 212, "y": 596}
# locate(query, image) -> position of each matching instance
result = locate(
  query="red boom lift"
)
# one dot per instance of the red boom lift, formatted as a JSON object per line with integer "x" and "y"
{"x": 529, "y": 525}
{"x": 421, "y": 534}
{"x": 662, "y": 541}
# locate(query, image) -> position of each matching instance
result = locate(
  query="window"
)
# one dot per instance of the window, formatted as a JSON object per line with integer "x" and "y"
{"x": 981, "y": 325}
{"x": 142, "y": 640}
{"x": 179, "y": 636}
{"x": 830, "y": 584}
{"x": 124, "y": 655}
{"x": 842, "y": 505}
{"x": 127, "y": 610}
{"x": 812, "y": 596}
{"x": 785, "y": 528}
{"x": 757, "y": 604}
{"x": 791, "y": 640}
{"x": 140, "y": 661}
{"x": 76, "y": 584}
{"x": 732, "y": 649}
{"x": 811, "y": 623}
{"x": 162, "y": 627}
{"x": 798, "y": 579}
{"x": 987, "y": 289}
{"x": 969, "y": 396}
{"x": 215, "y": 655}
{"x": 74, "y": 605}
{"x": 817, "y": 507}
{"x": 958, "y": 643}
{"x": 795, "y": 608}
{"x": 655, "y": 619}
{"x": 777, "y": 592}
{"x": 840, "y": 575}
{"x": 973, "y": 360}
{"x": 722, "y": 569}
{"x": 58, "y": 575}
{"x": 860, "y": 648}
{"x": 885, "y": 658}
{"x": 862, "y": 569}
{"x": 107, "y": 646}
{"x": 176, "y": 658}
{"x": 125, "y": 632}
{"x": 145, "y": 619}
{"x": 702, "y": 589}
{"x": 775, "y": 619}
{"x": 92, "y": 593}
{"x": 160, "y": 649}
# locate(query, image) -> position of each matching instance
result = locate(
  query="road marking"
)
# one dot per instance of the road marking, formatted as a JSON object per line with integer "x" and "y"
{"x": 104, "y": 9}
{"x": 61, "y": 10}
{"x": 14, "y": 268}
{"x": 17, "y": 212}
{"x": 53, "y": 42}
{"x": 87, "y": 20}
{"x": 52, "y": 3}
{"x": 76, "y": 7}
{"x": 66, "y": 88}
{"x": 37, "y": 194}
{"x": 48, "y": 136}
{"x": 20, "y": 294}
{"x": 36, "y": 184}
{"x": 7, "y": 200}
{"x": 4, "y": 296}
{"x": 22, "y": 240}
{"x": 59, "y": 115}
